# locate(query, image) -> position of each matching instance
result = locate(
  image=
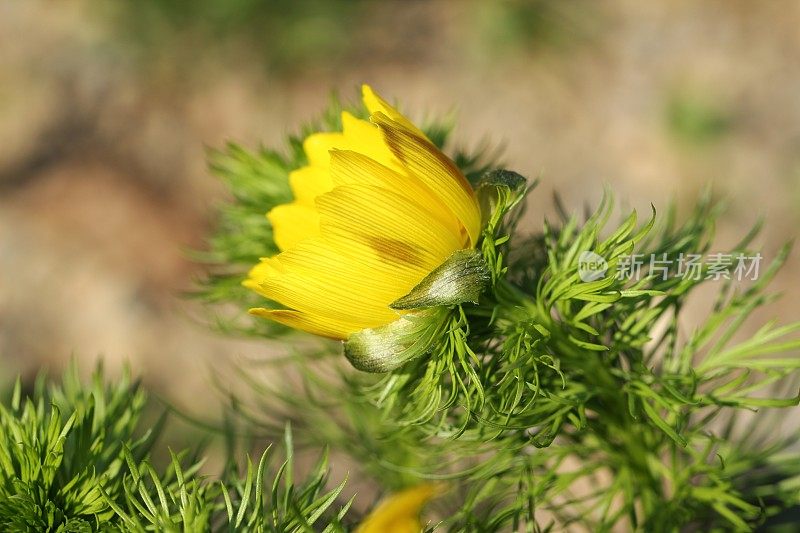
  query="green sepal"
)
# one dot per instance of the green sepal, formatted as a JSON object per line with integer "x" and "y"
{"x": 389, "y": 347}
{"x": 461, "y": 278}
{"x": 498, "y": 191}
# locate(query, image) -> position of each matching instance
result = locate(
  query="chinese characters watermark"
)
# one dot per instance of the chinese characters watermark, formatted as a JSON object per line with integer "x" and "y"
{"x": 715, "y": 266}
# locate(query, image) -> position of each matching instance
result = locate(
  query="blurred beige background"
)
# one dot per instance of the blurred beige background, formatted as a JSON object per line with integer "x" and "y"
{"x": 107, "y": 108}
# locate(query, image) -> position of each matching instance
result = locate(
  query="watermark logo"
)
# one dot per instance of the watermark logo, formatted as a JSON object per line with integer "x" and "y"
{"x": 715, "y": 266}
{"x": 591, "y": 266}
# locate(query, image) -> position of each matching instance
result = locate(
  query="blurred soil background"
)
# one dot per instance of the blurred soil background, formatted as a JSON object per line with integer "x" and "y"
{"x": 107, "y": 109}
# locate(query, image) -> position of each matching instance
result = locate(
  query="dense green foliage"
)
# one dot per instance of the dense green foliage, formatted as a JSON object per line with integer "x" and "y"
{"x": 75, "y": 458}
{"x": 559, "y": 401}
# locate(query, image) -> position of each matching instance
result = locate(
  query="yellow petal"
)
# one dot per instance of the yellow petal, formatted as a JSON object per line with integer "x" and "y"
{"x": 358, "y": 135}
{"x": 317, "y": 145}
{"x": 397, "y": 228}
{"x": 399, "y": 513}
{"x": 316, "y": 279}
{"x": 435, "y": 170}
{"x": 263, "y": 270}
{"x": 376, "y": 104}
{"x": 376, "y": 245}
{"x": 351, "y": 168}
{"x": 324, "y": 327}
{"x": 292, "y": 224}
{"x": 366, "y": 138}
{"x": 309, "y": 182}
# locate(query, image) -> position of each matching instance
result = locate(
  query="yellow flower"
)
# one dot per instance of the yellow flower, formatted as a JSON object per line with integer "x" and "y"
{"x": 377, "y": 209}
{"x": 399, "y": 513}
